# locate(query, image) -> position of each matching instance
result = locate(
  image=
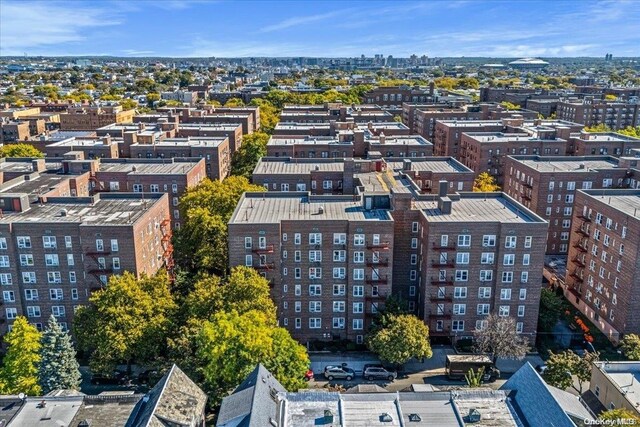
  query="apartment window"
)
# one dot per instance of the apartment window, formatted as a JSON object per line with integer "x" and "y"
{"x": 523, "y": 294}
{"x": 505, "y": 294}
{"x": 414, "y": 243}
{"x": 284, "y": 237}
{"x": 24, "y": 242}
{"x": 315, "y": 238}
{"x": 462, "y": 275}
{"x": 358, "y": 239}
{"x": 6, "y": 279}
{"x": 315, "y": 273}
{"x": 49, "y": 242}
{"x": 358, "y": 291}
{"x": 414, "y": 227}
{"x": 483, "y": 309}
{"x": 459, "y": 309}
{"x": 358, "y": 257}
{"x": 412, "y": 291}
{"x": 339, "y": 273}
{"x": 56, "y": 294}
{"x": 358, "y": 274}
{"x": 33, "y": 311}
{"x": 486, "y": 275}
{"x": 339, "y": 290}
{"x": 509, "y": 259}
{"x": 99, "y": 245}
{"x": 462, "y": 258}
{"x": 174, "y": 188}
{"x": 510, "y": 242}
{"x": 444, "y": 240}
{"x": 460, "y": 292}
{"x": 4, "y": 261}
{"x": 519, "y": 327}
{"x": 26, "y": 260}
{"x": 507, "y": 276}
{"x": 457, "y": 325}
{"x": 315, "y": 323}
{"x": 297, "y": 239}
{"x": 526, "y": 258}
{"x": 58, "y": 310}
{"x": 67, "y": 242}
{"x": 248, "y": 260}
{"x": 70, "y": 260}
{"x": 315, "y": 256}
{"x": 339, "y": 239}
{"x": 338, "y": 323}
{"x": 488, "y": 240}
{"x": 72, "y": 276}
{"x": 51, "y": 260}
{"x": 503, "y": 311}
{"x": 54, "y": 277}
{"x": 3, "y": 243}
{"x": 464, "y": 240}
{"x": 414, "y": 259}
{"x": 298, "y": 323}
{"x": 28, "y": 277}
{"x": 315, "y": 306}
{"x": 8, "y": 296}
{"x": 521, "y": 311}
{"x": 11, "y": 313}
{"x": 297, "y": 256}
{"x": 315, "y": 290}
{"x": 413, "y": 275}
{"x": 567, "y": 211}
{"x": 339, "y": 306}
{"x": 116, "y": 263}
{"x": 358, "y": 307}
{"x": 358, "y": 324}
{"x": 74, "y": 293}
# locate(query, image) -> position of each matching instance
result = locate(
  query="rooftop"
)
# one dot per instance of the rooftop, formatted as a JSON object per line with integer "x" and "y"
{"x": 433, "y": 164}
{"x": 604, "y": 136}
{"x": 626, "y": 201}
{"x": 625, "y": 376}
{"x": 493, "y": 137}
{"x": 191, "y": 141}
{"x": 400, "y": 140}
{"x": 138, "y": 167}
{"x": 273, "y": 207}
{"x": 296, "y": 167}
{"x": 567, "y": 163}
{"x": 34, "y": 184}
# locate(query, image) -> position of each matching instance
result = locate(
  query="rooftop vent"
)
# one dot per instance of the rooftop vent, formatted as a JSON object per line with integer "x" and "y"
{"x": 386, "y": 418}
{"x": 474, "y": 416}
{"x": 415, "y": 418}
{"x": 63, "y": 212}
{"x": 321, "y": 210}
{"x": 328, "y": 416}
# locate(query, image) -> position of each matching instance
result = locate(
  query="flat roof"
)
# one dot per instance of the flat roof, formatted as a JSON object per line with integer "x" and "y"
{"x": 112, "y": 209}
{"x": 486, "y": 137}
{"x": 214, "y": 126}
{"x": 604, "y": 137}
{"x": 625, "y": 201}
{"x": 57, "y": 411}
{"x": 34, "y": 184}
{"x": 307, "y": 140}
{"x": 567, "y": 163}
{"x": 84, "y": 142}
{"x": 142, "y": 168}
{"x": 433, "y": 164}
{"x": 191, "y": 141}
{"x": 480, "y": 207}
{"x": 492, "y": 405}
{"x": 625, "y": 376}
{"x": 364, "y": 410}
{"x": 295, "y": 168}
{"x": 9, "y": 165}
{"x": 400, "y": 140}
{"x": 273, "y": 207}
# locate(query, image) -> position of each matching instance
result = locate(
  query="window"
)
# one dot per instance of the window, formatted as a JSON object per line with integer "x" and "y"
{"x": 507, "y": 276}
{"x": 51, "y": 260}
{"x": 358, "y": 274}
{"x": 54, "y": 277}
{"x": 414, "y": 259}
{"x": 527, "y": 241}
{"x": 460, "y": 292}
{"x": 24, "y": 242}
{"x": 70, "y": 260}
{"x": 521, "y": 311}
{"x": 414, "y": 243}
{"x": 459, "y": 309}
{"x": 8, "y": 296}
{"x": 74, "y": 293}
{"x": 464, "y": 240}
{"x": 483, "y": 309}
{"x": 58, "y": 310}
{"x": 49, "y": 242}
{"x": 519, "y": 327}
{"x": 444, "y": 240}
{"x": 315, "y": 238}
{"x": 339, "y": 273}
{"x": 462, "y": 275}
{"x": 358, "y": 291}
{"x": 525, "y": 259}
{"x": 315, "y": 256}
{"x": 327, "y": 184}
{"x": 486, "y": 275}
{"x": 338, "y": 323}
{"x": 28, "y": 277}
{"x": 509, "y": 259}
{"x": 315, "y": 306}
{"x": 72, "y": 276}
{"x": 505, "y": 294}
{"x": 414, "y": 227}
{"x": 503, "y": 311}
{"x": 462, "y": 258}
{"x": 5, "y": 279}
{"x": 262, "y": 242}
{"x": 339, "y": 290}
{"x": 358, "y": 307}
{"x": 315, "y": 272}
{"x": 484, "y": 292}
{"x": 339, "y": 238}
{"x": 315, "y": 290}
{"x": 358, "y": 239}
{"x": 523, "y": 294}
{"x": 510, "y": 242}
{"x": 4, "y": 261}
{"x": 297, "y": 256}
{"x": 298, "y": 323}
{"x": 488, "y": 240}
{"x": 11, "y": 313}
{"x": 33, "y": 311}
{"x": 358, "y": 257}
{"x": 99, "y": 245}
{"x": 56, "y": 294}
{"x": 3, "y": 243}
{"x": 358, "y": 324}
{"x": 457, "y": 325}
{"x": 67, "y": 242}
{"x": 116, "y": 263}
{"x": 26, "y": 260}
{"x": 339, "y": 306}
{"x": 298, "y": 306}
{"x": 297, "y": 238}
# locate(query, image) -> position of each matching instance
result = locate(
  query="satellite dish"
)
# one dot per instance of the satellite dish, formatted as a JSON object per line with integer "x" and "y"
{"x": 22, "y": 396}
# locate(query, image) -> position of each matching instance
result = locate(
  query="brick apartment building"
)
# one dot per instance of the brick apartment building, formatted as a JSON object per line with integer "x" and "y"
{"x": 396, "y": 95}
{"x": 214, "y": 150}
{"x": 103, "y": 147}
{"x": 602, "y": 278}
{"x": 345, "y": 176}
{"x": 93, "y": 117}
{"x": 547, "y": 185}
{"x": 335, "y": 128}
{"x": 248, "y": 117}
{"x": 54, "y": 254}
{"x": 332, "y": 260}
{"x": 334, "y": 112}
{"x": 592, "y": 112}
{"x": 602, "y": 143}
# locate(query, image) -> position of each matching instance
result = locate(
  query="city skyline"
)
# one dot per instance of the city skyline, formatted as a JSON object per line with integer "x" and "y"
{"x": 203, "y": 28}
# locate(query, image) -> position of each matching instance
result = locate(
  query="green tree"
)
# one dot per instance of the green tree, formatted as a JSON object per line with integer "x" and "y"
{"x": 500, "y": 339}
{"x": 234, "y": 102}
{"x": 564, "y": 367}
{"x": 620, "y": 416}
{"x": 254, "y": 147}
{"x": 201, "y": 242}
{"x": 47, "y": 91}
{"x": 610, "y": 97}
{"x": 485, "y": 183}
{"x": 397, "y": 119}
{"x": 598, "y": 128}
{"x": 474, "y": 378}
{"x": 126, "y": 320}
{"x": 58, "y": 368}
{"x": 128, "y": 104}
{"x": 231, "y": 344}
{"x": 269, "y": 115}
{"x": 509, "y": 106}
{"x": 20, "y": 150}
{"x": 551, "y": 307}
{"x": 19, "y": 371}
{"x": 400, "y": 338}
{"x": 631, "y": 346}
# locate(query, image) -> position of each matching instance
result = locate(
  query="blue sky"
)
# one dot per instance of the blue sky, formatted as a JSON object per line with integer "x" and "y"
{"x": 194, "y": 28}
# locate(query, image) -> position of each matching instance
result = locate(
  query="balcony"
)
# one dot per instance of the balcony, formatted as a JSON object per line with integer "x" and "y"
{"x": 581, "y": 248}
{"x": 380, "y": 280}
{"x": 377, "y": 263}
{"x": 577, "y": 277}
{"x": 268, "y": 249}
{"x": 446, "y": 264}
{"x": 584, "y": 218}
{"x": 579, "y": 261}
{"x": 440, "y": 298}
{"x": 583, "y": 231}
{"x": 380, "y": 245}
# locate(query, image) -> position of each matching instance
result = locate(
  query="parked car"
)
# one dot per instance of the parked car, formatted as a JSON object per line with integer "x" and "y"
{"x": 378, "y": 372}
{"x": 308, "y": 376}
{"x": 339, "y": 372}
{"x": 116, "y": 378}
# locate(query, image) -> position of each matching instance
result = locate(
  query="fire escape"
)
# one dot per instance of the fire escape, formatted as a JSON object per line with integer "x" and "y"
{"x": 100, "y": 269}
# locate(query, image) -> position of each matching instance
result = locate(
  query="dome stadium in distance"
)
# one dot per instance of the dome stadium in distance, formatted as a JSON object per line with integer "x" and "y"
{"x": 528, "y": 63}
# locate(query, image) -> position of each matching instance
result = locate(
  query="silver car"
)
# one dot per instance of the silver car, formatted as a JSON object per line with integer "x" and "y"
{"x": 339, "y": 372}
{"x": 379, "y": 373}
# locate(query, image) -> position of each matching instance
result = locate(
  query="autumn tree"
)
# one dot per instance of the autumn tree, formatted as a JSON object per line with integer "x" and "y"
{"x": 20, "y": 150}
{"x": 619, "y": 416}
{"x": 399, "y": 338}
{"x": 500, "y": 338}
{"x": 231, "y": 344}
{"x": 126, "y": 320}
{"x": 234, "y": 102}
{"x": 509, "y": 105}
{"x": 58, "y": 368}
{"x": 269, "y": 115}
{"x": 485, "y": 183}
{"x": 563, "y": 368}
{"x": 254, "y": 147}
{"x": 19, "y": 370}
{"x": 631, "y": 346}
{"x": 201, "y": 243}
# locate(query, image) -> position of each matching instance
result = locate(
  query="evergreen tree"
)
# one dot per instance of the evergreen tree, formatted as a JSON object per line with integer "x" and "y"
{"x": 19, "y": 371}
{"x": 58, "y": 368}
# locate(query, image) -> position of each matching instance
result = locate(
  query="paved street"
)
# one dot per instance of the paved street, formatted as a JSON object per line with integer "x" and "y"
{"x": 431, "y": 371}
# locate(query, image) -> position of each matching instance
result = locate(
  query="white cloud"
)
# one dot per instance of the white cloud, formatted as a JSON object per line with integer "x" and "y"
{"x": 35, "y": 25}
{"x": 300, "y": 20}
